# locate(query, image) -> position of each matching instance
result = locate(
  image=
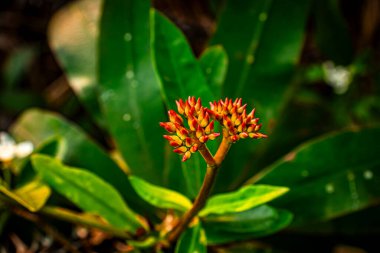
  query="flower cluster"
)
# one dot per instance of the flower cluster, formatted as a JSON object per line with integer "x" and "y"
{"x": 200, "y": 126}
{"x": 10, "y": 150}
{"x": 234, "y": 118}
{"x": 186, "y": 140}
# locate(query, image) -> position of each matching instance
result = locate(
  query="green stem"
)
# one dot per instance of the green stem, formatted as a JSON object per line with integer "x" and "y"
{"x": 46, "y": 227}
{"x": 213, "y": 164}
{"x": 70, "y": 216}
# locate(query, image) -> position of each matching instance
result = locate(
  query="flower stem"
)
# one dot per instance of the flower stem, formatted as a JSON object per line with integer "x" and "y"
{"x": 223, "y": 149}
{"x": 213, "y": 164}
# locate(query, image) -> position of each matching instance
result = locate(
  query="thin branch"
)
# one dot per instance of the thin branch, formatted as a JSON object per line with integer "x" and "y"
{"x": 213, "y": 164}
{"x": 70, "y": 216}
{"x": 46, "y": 227}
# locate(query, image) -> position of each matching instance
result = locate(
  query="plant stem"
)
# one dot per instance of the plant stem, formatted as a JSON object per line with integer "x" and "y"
{"x": 46, "y": 227}
{"x": 89, "y": 221}
{"x": 223, "y": 149}
{"x": 213, "y": 164}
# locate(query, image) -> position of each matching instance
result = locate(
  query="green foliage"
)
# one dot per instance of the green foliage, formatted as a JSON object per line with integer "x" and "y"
{"x": 130, "y": 96}
{"x": 254, "y": 223}
{"x": 245, "y": 198}
{"x": 75, "y": 149}
{"x": 128, "y": 63}
{"x": 192, "y": 240}
{"x": 214, "y": 63}
{"x": 341, "y": 176}
{"x": 159, "y": 196}
{"x": 32, "y": 196}
{"x": 87, "y": 191}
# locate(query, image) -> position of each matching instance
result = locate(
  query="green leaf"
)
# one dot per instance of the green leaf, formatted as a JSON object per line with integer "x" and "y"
{"x": 214, "y": 63}
{"x": 329, "y": 176}
{"x": 332, "y": 35}
{"x": 87, "y": 191}
{"x": 180, "y": 76}
{"x": 257, "y": 222}
{"x": 159, "y": 196}
{"x": 130, "y": 95}
{"x": 178, "y": 69}
{"x": 76, "y": 149}
{"x": 192, "y": 240}
{"x": 253, "y": 220}
{"x": 243, "y": 199}
{"x": 73, "y": 36}
{"x": 264, "y": 52}
{"x": 262, "y": 60}
{"x": 32, "y": 195}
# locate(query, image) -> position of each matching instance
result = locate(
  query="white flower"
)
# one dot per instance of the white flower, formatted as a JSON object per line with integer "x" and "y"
{"x": 338, "y": 77}
{"x": 10, "y": 150}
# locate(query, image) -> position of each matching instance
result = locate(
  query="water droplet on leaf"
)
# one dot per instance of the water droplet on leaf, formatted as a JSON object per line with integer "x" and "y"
{"x": 368, "y": 174}
{"x": 263, "y": 16}
{"x": 329, "y": 188}
{"x": 127, "y": 37}
{"x": 127, "y": 117}
{"x": 129, "y": 74}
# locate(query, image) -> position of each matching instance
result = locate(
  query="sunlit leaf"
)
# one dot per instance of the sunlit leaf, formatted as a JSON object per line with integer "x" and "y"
{"x": 75, "y": 148}
{"x": 32, "y": 195}
{"x": 73, "y": 37}
{"x": 87, "y": 191}
{"x": 159, "y": 196}
{"x": 243, "y": 199}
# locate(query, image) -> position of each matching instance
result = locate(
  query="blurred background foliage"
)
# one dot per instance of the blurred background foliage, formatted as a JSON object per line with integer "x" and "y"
{"x": 309, "y": 67}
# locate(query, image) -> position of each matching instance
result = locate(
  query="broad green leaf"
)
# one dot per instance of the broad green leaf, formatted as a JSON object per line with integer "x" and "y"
{"x": 177, "y": 68}
{"x": 159, "y": 196}
{"x": 256, "y": 219}
{"x": 73, "y": 36}
{"x": 87, "y": 191}
{"x": 130, "y": 95}
{"x": 32, "y": 195}
{"x": 192, "y": 240}
{"x": 329, "y": 176}
{"x": 243, "y": 199}
{"x": 214, "y": 63}
{"x": 77, "y": 149}
{"x": 263, "y": 53}
{"x": 331, "y": 32}
{"x": 180, "y": 76}
{"x": 258, "y": 222}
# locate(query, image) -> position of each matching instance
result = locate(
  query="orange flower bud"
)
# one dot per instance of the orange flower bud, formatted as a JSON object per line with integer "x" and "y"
{"x": 234, "y": 118}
